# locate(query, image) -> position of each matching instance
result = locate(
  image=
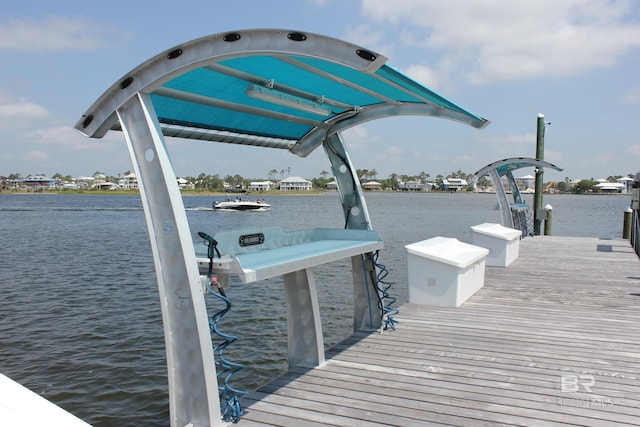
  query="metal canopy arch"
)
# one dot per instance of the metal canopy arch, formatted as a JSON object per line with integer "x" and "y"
{"x": 511, "y": 213}
{"x": 202, "y": 85}
{"x": 270, "y": 88}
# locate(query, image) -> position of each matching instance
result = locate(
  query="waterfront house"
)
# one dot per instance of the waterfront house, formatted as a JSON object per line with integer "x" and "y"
{"x": 372, "y": 186}
{"x": 295, "y": 183}
{"x": 185, "y": 184}
{"x": 526, "y": 181}
{"x": 128, "y": 182}
{"x": 410, "y": 186}
{"x": 260, "y": 186}
{"x": 105, "y": 185}
{"x": 454, "y": 184}
{"x": 628, "y": 183}
{"x": 38, "y": 182}
{"x": 610, "y": 187}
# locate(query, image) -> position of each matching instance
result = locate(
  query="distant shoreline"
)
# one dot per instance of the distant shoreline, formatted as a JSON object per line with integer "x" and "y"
{"x": 275, "y": 193}
{"x": 184, "y": 193}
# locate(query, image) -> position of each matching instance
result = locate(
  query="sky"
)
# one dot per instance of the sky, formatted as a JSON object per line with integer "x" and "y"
{"x": 576, "y": 62}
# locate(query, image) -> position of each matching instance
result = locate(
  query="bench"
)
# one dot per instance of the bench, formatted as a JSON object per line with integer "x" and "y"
{"x": 262, "y": 253}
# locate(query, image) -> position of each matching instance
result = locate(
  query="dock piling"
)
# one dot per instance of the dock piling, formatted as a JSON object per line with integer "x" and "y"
{"x": 539, "y": 187}
{"x": 626, "y": 225}
{"x": 547, "y": 222}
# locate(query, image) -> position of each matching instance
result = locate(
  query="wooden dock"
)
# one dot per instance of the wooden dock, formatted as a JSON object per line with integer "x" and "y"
{"x": 553, "y": 339}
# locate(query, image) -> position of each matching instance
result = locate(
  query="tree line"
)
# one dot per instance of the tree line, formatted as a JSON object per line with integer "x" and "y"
{"x": 216, "y": 182}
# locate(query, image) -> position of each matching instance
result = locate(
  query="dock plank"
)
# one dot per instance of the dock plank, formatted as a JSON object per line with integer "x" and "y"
{"x": 550, "y": 340}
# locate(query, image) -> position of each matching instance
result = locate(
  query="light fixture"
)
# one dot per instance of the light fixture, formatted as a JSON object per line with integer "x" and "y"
{"x": 280, "y": 98}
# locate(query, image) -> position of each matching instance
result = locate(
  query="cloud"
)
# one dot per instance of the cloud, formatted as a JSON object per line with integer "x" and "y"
{"x": 370, "y": 38}
{"x": 56, "y": 136}
{"x": 507, "y": 139}
{"x": 35, "y": 155}
{"x": 503, "y": 40}
{"x": 395, "y": 150}
{"x": 55, "y": 34}
{"x": 425, "y": 75}
{"x": 554, "y": 156}
{"x": 5, "y": 155}
{"x": 358, "y": 137}
{"x": 17, "y": 113}
{"x": 68, "y": 137}
{"x": 633, "y": 97}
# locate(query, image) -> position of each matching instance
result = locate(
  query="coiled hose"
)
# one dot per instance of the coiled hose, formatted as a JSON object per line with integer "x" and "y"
{"x": 388, "y": 321}
{"x": 230, "y": 407}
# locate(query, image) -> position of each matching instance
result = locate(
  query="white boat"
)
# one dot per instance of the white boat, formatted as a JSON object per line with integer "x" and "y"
{"x": 241, "y": 205}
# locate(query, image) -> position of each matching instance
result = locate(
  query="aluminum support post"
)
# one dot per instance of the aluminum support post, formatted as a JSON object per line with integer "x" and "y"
{"x": 193, "y": 388}
{"x": 503, "y": 201}
{"x": 353, "y": 203}
{"x": 367, "y": 314}
{"x": 306, "y": 344}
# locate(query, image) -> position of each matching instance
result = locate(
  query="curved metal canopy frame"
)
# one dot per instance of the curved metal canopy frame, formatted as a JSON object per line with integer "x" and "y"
{"x": 212, "y": 75}
{"x": 270, "y": 88}
{"x": 505, "y": 168}
{"x": 508, "y": 165}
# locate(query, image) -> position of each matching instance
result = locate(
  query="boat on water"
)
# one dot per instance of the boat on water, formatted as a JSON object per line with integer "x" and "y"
{"x": 241, "y": 205}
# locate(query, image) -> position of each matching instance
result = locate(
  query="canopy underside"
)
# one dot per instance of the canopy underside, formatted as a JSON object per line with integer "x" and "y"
{"x": 271, "y": 88}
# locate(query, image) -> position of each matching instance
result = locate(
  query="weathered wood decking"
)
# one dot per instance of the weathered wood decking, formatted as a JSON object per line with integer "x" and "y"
{"x": 553, "y": 339}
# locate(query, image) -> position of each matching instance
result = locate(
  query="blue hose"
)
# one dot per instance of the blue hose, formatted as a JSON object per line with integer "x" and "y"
{"x": 230, "y": 407}
{"x": 383, "y": 288}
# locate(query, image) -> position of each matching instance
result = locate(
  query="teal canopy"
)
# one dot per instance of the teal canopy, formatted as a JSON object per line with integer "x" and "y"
{"x": 273, "y": 88}
{"x": 506, "y": 166}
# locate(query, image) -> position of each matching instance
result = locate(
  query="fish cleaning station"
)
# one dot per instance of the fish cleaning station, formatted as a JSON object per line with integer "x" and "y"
{"x": 516, "y": 213}
{"x": 297, "y": 91}
{"x": 266, "y": 88}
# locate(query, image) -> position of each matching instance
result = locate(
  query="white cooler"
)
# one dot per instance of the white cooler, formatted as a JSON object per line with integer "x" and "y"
{"x": 503, "y": 243}
{"x": 444, "y": 271}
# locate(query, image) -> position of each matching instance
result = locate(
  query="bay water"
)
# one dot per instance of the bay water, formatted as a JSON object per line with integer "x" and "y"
{"x": 80, "y": 320}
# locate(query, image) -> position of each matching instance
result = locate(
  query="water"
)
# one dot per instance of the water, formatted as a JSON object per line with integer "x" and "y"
{"x": 80, "y": 319}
